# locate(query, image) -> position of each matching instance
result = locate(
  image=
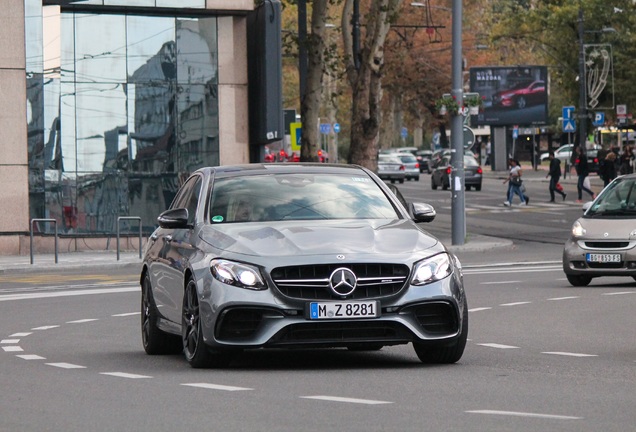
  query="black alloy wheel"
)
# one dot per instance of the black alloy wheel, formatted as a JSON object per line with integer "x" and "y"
{"x": 155, "y": 341}
{"x": 195, "y": 350}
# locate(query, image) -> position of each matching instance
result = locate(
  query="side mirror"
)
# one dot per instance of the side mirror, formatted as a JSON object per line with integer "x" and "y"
{"x": 174, "y": 218}
{"x": 423, "y": 212}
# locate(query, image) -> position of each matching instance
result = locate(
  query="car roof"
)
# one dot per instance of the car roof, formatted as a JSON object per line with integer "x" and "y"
{"x": 281, "y": 168}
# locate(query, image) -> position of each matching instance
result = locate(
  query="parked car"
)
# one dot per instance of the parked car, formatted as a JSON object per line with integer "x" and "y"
{"x": 592, "y": 160}
{"x": 391, "y": 168}
{"x": 603, "y": 240}
{"x": 521, "y": 95}
{"x": 424, "y": 159}
{"x": 297, "y": 255}
{"x": 411, "y": 165}
{"x": 563, "y": 153}
{"x": 473, "y": 173}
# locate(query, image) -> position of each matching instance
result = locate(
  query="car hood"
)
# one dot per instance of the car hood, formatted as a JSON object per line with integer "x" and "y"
{"x": 293, "y": 238}
{"x": 606, "y": 228}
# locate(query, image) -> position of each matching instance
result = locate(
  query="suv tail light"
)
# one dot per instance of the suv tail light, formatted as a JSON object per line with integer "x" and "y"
{"x": 479, "y": 170}
{"x": 402, "y": 168}
{"x": 417, "y": 165}
{"x": 448, "y": 170}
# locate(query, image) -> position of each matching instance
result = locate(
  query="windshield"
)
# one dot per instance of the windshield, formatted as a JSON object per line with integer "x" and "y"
{"x": 617, "y": 199}
{"x": 275, "y": 197}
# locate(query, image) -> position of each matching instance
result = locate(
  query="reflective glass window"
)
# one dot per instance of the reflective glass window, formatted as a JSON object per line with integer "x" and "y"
{"x": 100, "y": 48}
{"x": 151, "y": 49}
{"x": 181, "y": 3}
{"x": 197, "y": 58}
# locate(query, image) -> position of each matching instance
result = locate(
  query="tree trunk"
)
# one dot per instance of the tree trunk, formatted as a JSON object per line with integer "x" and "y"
{"x": 366, "y": 82}
{"x": 310, "y": 104}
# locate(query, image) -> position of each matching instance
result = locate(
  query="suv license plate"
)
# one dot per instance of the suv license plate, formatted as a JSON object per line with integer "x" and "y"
{"x": 603, "y": 258}
{"x": 343, "y": 310}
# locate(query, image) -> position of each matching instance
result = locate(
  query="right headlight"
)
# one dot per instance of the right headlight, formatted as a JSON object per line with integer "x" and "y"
{"x": 432, "y": 269}
{"x": 578, "y": 230}
{"x": 237, "y": 274}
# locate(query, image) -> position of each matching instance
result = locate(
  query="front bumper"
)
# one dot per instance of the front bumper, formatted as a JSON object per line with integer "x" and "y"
{"x": 575, "y": 260}
{"x": 238, "y": 318}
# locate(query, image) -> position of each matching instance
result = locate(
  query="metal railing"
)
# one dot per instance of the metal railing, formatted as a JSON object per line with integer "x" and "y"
{"x": 54, "y": 222}
{"x": 121, "y": 218}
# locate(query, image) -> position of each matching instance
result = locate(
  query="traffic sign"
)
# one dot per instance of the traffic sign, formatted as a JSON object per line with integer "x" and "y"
{"x": 568, "y": 112}
{"x": 569, "y": 125}
{"x": 336, "y": 127}
{"x": 405, "y": 132}
{"x": 295, "y": 135}
{"x": 515, "y": 132}
{"x": 325, "y": 128}
{"x": 599, "y": 118}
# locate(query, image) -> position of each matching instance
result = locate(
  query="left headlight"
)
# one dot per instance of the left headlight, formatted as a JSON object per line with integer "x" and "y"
{"x": 432, "y": 269}
{"x": 578, "y": 230}
{"x": 237, "y": 274}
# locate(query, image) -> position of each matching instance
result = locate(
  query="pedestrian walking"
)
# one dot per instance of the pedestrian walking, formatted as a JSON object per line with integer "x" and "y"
{"x": 555, "y": 174}
{"x": 607, "y": 169}
{"x": 515, "y": 182}
{"x": 626, "y": 161}
{"x": 582, "y": 171}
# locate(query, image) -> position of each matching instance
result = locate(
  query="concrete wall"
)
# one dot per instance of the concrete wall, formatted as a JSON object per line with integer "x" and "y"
{"x": 14, "y": 180}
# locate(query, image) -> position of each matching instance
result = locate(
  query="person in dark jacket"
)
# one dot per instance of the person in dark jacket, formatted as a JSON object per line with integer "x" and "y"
{"x": 607, "y": 169}
{"x": 555, "y": 175}
{"x": 582, "y": 171}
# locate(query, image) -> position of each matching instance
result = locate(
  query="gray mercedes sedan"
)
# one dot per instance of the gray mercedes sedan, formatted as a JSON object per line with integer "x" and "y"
{"x": 297, "y": 256}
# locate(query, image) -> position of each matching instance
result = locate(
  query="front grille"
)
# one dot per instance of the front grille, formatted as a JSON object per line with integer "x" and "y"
{"x": 596, "y": 265}
{"x": 607, "y": 245}
{"x": 311, "y": 282}
{"x": 341, "y": 333}
{"x": 437, "y": 318}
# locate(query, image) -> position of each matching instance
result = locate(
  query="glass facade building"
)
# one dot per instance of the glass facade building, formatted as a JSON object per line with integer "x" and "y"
{"x": 122, "y": 105}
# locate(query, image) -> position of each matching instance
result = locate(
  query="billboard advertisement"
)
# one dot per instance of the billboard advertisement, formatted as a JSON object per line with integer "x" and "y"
{"x": 516, "y": 95}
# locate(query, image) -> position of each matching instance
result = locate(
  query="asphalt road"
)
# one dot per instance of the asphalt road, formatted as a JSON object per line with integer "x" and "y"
{"x": 541, "y": 355}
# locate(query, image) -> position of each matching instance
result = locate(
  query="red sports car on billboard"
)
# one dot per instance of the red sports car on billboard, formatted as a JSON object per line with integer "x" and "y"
{"x": 521, "y": 95}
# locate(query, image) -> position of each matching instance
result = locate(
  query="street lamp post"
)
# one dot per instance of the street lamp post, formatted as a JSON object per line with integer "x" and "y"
{"x": 458, "y": 222}
{"x": 582, "y": 86}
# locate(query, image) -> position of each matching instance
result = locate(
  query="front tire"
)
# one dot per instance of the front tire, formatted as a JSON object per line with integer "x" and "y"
{"x": 195, "y": 350}
{"x": 154, "y": 340}
{"x": 579, "y": 280}
{"x": 443, "y": 353}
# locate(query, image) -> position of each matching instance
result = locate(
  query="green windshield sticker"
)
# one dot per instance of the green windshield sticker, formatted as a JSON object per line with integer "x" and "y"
{"x": 217, "y": 219}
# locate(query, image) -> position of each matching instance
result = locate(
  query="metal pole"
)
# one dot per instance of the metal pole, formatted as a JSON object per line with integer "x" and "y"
{"x": 458, "y": 223}
{"x": 582, "y": 86}
{"x": 302, "y": 48}
{"x": 356, "y": 33}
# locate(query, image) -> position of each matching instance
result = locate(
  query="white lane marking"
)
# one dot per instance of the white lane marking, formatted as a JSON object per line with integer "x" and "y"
{"x": 126, "y": 314}
{"x": 29, "y": 296}
{"x": 20, "y": 334}
{"x": 513, "y": 270}
{"x": 619, "y": 293}
{"x": 499, "y": 346}
{"x": 348, "y": 400}
{"x": 9, "y": 341}
{"x": 479, "y": 309}
{"x": 216, "y": 386}
{"x": 12, "y": 348}
{"x": 515, "y": 303}
{"x": 31, "y": 357}
{"x": 525, "y": 414}
{"x": 82, "y": 321}
{"x": 569, "y": 354}
{"x": 563, "y": 298}
{"x": 499, "y": 283}
{"x": 124, "y": 375}
{"x": 66, "y": 365}
{"x": 45, "y": 327}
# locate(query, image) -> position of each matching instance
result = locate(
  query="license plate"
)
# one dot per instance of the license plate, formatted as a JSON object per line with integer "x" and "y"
{"x": 343, "y": 310}
{"x": 603, "y": 258}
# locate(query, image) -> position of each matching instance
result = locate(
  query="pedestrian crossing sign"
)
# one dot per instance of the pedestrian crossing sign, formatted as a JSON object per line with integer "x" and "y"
{"x": 569, "y": 125}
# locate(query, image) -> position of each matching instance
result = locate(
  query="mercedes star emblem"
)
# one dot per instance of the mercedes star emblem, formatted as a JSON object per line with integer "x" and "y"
{"x": 342, "y": 281}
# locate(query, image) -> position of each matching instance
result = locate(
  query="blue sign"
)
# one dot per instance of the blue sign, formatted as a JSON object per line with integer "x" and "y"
{"x": 568, "y": 112}
{"x": 599, "y": 119}
{"x": 325, "y": 128}
{"x": 515, "y": 132}
{"x": 569, "y": 125}
{"x": 405, "y": 132}
{"x": 336, "y": 127}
